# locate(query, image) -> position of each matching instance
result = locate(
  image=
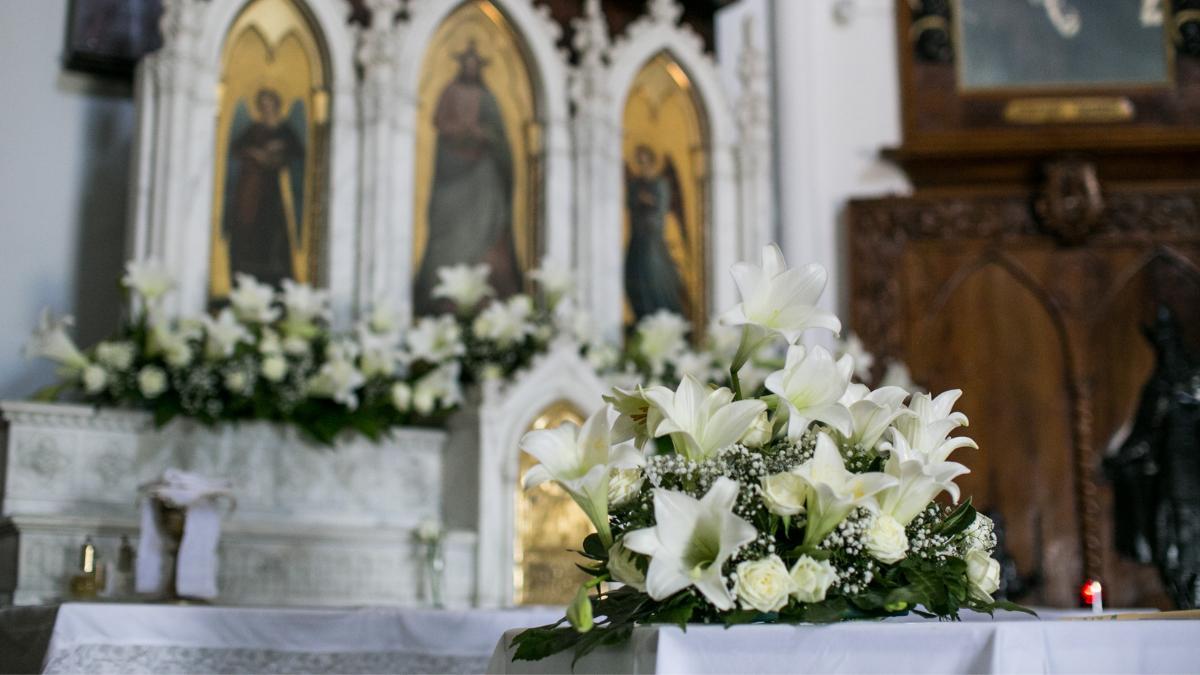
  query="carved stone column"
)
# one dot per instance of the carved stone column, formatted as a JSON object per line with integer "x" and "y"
{"x": 381, "y": 263}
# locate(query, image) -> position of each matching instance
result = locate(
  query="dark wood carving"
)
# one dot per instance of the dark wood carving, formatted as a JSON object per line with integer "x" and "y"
{"x": 981, "y": 291}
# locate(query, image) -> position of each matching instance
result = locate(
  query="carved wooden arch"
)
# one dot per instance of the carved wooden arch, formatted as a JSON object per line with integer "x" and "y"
{"x": 884, "y": 232}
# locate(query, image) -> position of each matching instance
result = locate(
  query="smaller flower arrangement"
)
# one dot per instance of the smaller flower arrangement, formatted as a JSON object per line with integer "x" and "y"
{"x": 812, "y": 499}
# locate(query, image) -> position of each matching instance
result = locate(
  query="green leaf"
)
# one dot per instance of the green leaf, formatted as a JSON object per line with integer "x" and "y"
{"x": 593, "y": 548}
{"x": 958, "y": 520}
{"x": 1012, "y": 607}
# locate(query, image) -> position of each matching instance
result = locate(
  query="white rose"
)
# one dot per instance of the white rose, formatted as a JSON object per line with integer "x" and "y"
{"x": 402, "y": 396}
{"x": 811, "y": 578}
{"x": 983, "y": 574}
{"x": 152, "y": 381}
{"x": 624, "y": 485}
{"x": 759, "y": 433}
{"x": 886, "y": 540}
{"x": 295, "y": 345}
{"x": 115, "y": 355}
{"x": 429, "y": 531}
{"x": 622, "y": 565}
{"x": 274, "y": 368}
{"x": 763, "y": 584}
{"x": 784, "y": 493}
{"x": 95, "y": 379}
{"x": 235, "y": 380}
{"x": 424, "y": 400}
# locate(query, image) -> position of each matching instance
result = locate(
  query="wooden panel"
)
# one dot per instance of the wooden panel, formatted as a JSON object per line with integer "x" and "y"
{"x": 1045, "y": 341}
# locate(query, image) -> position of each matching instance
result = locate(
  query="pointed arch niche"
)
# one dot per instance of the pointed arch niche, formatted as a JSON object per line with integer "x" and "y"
{"x": 216, "y": 56}
{"x": 666, "y": 151}
{"x": 406, "y": 69}
{"x": 657, "y": 48}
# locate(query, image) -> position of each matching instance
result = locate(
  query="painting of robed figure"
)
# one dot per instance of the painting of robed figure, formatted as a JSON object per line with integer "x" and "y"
{"x": 652, "y": 282}
{"x": 665, "y": 153}
{"x": 470, "y": 204}
{"x": 264, "y": 192}
{"x": 271, "y": 150}
{"x": 478, "y": 156}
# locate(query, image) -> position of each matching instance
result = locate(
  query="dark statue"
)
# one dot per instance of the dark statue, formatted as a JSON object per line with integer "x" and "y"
{"x": 471, "y": 200}
{"x": 652, "y": 282}
{"x": 264, "y": 192}
{"x": 1156, "y": 470}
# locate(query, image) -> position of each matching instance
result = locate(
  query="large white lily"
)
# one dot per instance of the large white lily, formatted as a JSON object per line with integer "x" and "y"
{"x": 932, "y": 420}
{"x": 464, "y": 285}
{"x": 579, "y": 460}
{"x": 223, "y": 334}
{"x": 252, "y": 301}
{"x": 304, "y": 305}
{"x": 556, "y": 279}
{"x": 833, "y": 491}
{"x": 661, "y": 337}
{"x": 149, "y": 279}
{"x": 918, "y": 480}
{"x": 50, "y": 341}
{"x": 691, "y": 541}
{"x": 812, "y": 384}
{"x": 873, "y": 412}
{"x": 506, "y": 322}
{"x": 780, "y": 300}
{"x": 435, "y": 339}
{"x": 700, "y": 420}
{"x": 633, "y": 420}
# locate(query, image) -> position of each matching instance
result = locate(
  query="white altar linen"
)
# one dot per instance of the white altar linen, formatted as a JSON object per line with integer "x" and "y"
{"x": 137, "y": 638}
{"x": 1008, "y": 644}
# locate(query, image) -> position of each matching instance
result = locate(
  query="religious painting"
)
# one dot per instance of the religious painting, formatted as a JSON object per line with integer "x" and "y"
{"x": 478, "y": 189}
{"x": 1061, "y": 43}
{"x": 108, "y": 37}
{"x": 271, "y": 145}
{"x": 549, "y": 527}
{"x": 666, "y": 195}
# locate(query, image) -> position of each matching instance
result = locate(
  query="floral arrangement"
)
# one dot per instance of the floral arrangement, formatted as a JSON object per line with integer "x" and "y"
{"x": 808, "y": 498}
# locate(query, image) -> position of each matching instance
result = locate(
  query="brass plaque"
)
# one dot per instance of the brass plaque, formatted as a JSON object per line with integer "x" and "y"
{"x": 1069, "y": 110}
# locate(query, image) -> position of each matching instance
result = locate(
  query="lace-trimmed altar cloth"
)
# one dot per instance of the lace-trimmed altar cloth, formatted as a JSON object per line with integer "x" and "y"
{"x": 1009, "y": 644}
{"x": 136, "y": 638}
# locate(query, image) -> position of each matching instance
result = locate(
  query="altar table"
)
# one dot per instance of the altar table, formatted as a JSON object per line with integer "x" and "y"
{"x": 139, "y": 638}
{"x": 1008, "y": 644}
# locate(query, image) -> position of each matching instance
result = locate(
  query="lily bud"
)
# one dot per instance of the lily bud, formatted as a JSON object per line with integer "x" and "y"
{"x": 580, "y": 611}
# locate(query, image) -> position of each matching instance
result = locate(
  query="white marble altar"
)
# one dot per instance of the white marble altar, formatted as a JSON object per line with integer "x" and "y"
{"x": 313, "y": 525}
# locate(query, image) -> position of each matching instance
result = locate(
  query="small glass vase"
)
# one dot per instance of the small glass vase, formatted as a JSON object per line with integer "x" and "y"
{"x": 434, "y": 567}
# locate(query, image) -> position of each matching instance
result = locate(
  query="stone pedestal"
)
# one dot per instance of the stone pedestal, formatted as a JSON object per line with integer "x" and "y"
{"x": 313, "y": 525}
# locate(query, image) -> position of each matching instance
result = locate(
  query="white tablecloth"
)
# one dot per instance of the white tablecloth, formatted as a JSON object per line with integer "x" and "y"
{"x": 1006, "y": 645}
{"x": 130, "y": 638}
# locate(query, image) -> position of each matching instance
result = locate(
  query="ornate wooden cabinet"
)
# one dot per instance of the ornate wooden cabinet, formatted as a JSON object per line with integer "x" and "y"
{"x": 1022, "y": 270}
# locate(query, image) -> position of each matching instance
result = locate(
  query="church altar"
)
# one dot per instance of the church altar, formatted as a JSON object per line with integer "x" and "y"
{"x": 312, "y": 525}
{"x": 132, "y": 638}
{"x": 1010, "y": 643}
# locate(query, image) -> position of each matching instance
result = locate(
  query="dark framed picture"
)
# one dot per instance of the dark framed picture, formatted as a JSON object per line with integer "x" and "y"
{"x": 107, "y": 37}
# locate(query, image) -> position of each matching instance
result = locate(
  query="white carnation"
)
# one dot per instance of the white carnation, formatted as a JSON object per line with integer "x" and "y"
{"x": 886, "y": 540}
{"x": 811, "y": 578}
{"x": 274, "y": 368}
{"x": 115, "y": 355}
{"x": 95, "y": 379}
{"x": 763, "y": 584}
{"x": 402, "y": 397}
{"x": 152, "y": 381}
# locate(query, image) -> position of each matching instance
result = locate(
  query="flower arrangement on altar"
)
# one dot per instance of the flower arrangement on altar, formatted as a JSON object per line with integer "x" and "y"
{"x": 272, "y": 355}
{"x": 804, "y": 498}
